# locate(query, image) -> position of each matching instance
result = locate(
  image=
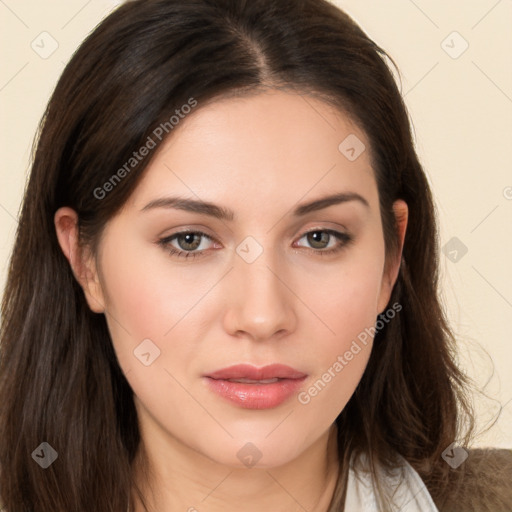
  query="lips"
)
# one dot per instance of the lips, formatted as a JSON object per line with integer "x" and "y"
{"x": 245, "y": 371}
{"x": 255, "y": 388}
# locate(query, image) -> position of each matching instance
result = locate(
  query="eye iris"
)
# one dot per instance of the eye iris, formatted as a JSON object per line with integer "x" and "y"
{"x": 193, "y": 240}
{"x": 318, "y": 237}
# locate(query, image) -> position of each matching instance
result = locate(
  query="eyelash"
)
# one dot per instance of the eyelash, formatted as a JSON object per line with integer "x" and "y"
{"x": 344, "y": 240}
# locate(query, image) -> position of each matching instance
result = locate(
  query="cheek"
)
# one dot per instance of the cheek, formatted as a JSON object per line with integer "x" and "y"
{"x": 339, "y": 360}
{"x": 154, "y": 320}
{"x": 149, "y": 298}
{"x": 347, "y": 305}
{"x": 149, "y": 291}
{"x": 344, "y": 297}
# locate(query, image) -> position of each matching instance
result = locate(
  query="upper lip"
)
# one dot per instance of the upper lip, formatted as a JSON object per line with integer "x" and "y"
{"x": 247, "y": 371}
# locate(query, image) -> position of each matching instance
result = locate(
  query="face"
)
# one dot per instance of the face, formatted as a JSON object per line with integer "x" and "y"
{"x": 269, "y": 278}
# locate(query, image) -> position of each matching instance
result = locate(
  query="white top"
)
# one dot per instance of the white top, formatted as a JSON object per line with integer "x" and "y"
{"x": 411, "y": 493}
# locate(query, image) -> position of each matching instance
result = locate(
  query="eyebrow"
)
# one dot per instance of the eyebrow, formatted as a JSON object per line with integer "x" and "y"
{"x": 219, "y": 212}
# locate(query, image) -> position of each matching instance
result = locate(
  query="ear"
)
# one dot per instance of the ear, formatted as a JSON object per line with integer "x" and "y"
{"x": 392, "y": 269}
{"x": 81, "y": 261}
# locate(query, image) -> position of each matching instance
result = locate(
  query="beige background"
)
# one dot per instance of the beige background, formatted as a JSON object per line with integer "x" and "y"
{"x": 460, "y": 100}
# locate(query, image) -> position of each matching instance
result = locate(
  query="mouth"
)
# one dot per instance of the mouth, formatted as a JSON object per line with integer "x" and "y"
{"x": 249, "y": 387}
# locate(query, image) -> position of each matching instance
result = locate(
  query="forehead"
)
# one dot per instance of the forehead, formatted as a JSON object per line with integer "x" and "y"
{"x": 266, "y": 147}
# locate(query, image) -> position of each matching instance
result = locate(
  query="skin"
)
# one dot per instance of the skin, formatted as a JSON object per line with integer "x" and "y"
{"x": 291, "y": 305}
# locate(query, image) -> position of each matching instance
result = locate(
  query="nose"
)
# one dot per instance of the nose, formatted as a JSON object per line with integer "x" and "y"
{"x": 261, "y": 304}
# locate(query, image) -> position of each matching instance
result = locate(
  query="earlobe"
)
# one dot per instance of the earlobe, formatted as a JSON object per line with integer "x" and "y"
{"x": 83, "y": 266}
{"x": 390, "y": 276}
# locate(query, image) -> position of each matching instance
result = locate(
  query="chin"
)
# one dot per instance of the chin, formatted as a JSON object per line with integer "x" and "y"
{"x": 256, "y": 452}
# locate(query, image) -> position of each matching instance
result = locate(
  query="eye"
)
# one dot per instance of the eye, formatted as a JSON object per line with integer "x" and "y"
{"x": 326, "y": 241}
{"x": 187, "y": 244}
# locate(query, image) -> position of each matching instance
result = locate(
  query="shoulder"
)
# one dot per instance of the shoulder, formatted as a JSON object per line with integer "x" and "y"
{"x": 483, "y": 483}
{"x": 403, "y": 487}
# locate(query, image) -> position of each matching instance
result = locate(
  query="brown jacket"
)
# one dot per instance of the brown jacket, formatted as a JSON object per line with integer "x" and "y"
{"x": 483, "y": 483}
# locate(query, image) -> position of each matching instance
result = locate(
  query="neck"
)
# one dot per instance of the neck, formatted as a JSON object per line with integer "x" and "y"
{"x": 194, "y": 483}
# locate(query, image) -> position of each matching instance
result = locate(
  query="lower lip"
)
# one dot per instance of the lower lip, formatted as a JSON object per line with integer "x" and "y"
{"x": 255, "y": 396}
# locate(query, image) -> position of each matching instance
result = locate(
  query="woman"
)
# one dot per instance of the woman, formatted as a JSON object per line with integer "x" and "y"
{"x": 223, "y": 291}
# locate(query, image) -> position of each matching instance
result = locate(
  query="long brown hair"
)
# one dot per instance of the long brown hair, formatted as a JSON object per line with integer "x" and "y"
{"x": 60, "y": 382}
